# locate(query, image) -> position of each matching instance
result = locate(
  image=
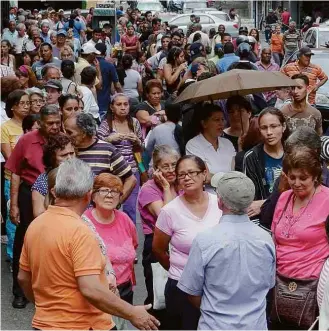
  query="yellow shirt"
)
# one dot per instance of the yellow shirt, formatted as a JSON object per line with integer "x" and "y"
{"x": 10, "y": 133}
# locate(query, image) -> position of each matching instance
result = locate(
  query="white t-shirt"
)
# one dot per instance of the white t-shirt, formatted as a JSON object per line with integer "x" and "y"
{"x": 178, "y": 222}
{"x": 219, "y": 160}
{"x": 130, "y": 83}
{"x": 90, "y": 104}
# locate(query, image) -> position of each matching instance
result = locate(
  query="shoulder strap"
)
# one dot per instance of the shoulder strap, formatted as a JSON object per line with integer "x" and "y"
{"x": 283, "y": 211}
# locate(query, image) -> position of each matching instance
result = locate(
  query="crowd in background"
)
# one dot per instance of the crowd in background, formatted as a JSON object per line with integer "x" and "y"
{"x": 89, "y": 128}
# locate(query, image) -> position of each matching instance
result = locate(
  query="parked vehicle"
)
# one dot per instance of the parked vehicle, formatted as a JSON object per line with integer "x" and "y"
{"x": 207, "y": 21}
{"x": 317, "y": 37}
{"x": 219, "y": 14}
{"x": 153, "y": 6}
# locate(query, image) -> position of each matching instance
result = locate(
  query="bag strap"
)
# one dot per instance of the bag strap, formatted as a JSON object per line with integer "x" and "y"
{"x": 283, "y": 211}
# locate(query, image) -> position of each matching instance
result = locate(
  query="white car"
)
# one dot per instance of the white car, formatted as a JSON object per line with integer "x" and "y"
{"x": 220, "y": 14}
{"x": 316, "y": 37}
{"x": 207, "y": 21}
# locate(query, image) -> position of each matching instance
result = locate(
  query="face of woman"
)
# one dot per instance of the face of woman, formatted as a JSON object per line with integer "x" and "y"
{"x": 214, "y": 125}
{"x": 190, "y": 177}
{"x": 271, "y": 129}
{"x": 22, "y": 108}
{"x": 70, "y": 33}
{"x": 71, "y": 106}
{"x": 37, "y": 102}
{"x": 239, "y": 117}
{"x": 221, "y": 29}
{"x": 154, "y": 96}
{"x": 253, "y": 34}
{"x": 120, "y": 107}
{"x": 167, "y": 166}
{"x": 66, "y": 55}
{"x": 53, "y": 39}
{"x": 64, "y": 154}
{"x": 130, "y": 31}
{"x": 278, "y": 29}
{"x": 27, "y": 60}
{"x": 301, "y": 182}
{"x": 107, "y": 198}
{"x": 37, "y": 42}
{"x": 181, "y": 58}
{"x": 4, "y": 48}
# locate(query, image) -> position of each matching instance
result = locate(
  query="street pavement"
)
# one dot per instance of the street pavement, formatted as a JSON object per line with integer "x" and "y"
{"x": 20, "y": 319}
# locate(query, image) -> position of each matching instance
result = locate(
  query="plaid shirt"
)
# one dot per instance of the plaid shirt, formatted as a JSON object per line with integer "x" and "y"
{"x": 272, "y": 67}
{"x": 313, "y": 72}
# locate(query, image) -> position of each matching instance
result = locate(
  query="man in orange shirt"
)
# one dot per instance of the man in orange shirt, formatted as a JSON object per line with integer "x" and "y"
{"x": 62, "y": 268}
{"x": 303, "y": 65}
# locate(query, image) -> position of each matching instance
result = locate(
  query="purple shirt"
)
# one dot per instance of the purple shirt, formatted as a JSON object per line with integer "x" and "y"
{"x": 273, "y": 67}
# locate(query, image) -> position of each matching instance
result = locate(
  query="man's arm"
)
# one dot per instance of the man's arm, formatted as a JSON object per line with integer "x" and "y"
{"x": 14, "y": 189}
{"x": 128, "y": 185}
{"x": 195, "y": 300}
{"x": 25, "y": 281}
{"x": 103, "y": 299}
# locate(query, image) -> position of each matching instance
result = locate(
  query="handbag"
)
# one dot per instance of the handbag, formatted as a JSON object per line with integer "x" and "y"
{"x": 160, "y": 278}
{"x": 295, "y": 300}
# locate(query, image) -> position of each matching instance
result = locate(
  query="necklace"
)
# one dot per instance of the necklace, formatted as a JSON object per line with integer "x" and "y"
{"x": 291, "y": 220}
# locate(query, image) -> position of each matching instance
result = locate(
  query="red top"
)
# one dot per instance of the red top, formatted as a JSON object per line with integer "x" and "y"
{"x": 285, "y": 17}
{"x": 26, "y": 158}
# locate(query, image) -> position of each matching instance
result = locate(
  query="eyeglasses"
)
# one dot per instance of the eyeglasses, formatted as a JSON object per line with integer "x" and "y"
{"x": 105, "y": 192}
{"x": 24, "y": 103}
{"x": 272, "y": 127}
{"x": 169, "y": 167}
{"x": 191, "y": 174}
{"x": 35, "y": 102}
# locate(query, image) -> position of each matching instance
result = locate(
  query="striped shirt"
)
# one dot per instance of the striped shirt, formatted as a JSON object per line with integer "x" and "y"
{"x": 125, "y": 146}
{"x": 313, "y": 72}
{"x": 104, "y": 157}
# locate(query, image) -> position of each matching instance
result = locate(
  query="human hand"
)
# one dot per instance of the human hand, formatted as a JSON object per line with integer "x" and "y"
{"x": 142, "y": 320}
{"x": 183, "y": 67}
{"x": 115, "y": 137}
{"x": 132, "y": 137}
{"x": 96, "y": 63}
{"x": 160, "y": 180}
{"x": 254, "y": 208}
{"x": 14, "y": 214}
{"x": 160, "y": 113}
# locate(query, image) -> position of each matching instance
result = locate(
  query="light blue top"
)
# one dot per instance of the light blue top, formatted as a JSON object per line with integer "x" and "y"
{"x": 226, "y": 61}
{"x": 232, "y": 267}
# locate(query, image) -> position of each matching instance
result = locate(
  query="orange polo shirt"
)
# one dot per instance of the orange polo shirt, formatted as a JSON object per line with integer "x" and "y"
{"x": 313, "y": 72}
{"x": 58, "y": 248}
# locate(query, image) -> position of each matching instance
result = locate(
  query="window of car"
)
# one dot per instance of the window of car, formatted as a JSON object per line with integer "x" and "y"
{"x": 221, "y": 16}
{"x": 183, "y": 20}
{"x": 206, "y": 20}
{"x": 308, "y": 36}
{"x": 313, "y": 38}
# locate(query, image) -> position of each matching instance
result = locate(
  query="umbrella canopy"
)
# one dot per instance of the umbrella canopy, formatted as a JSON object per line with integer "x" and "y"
{"x": 235, "y": 82}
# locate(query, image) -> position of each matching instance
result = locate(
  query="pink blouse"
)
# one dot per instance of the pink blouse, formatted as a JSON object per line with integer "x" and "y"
{"x": 301, "y": 242}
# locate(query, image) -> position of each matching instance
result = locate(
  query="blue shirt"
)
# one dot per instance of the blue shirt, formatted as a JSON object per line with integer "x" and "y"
{"x": 109, "y": 75}
{"x": 232, "y": 267}
{"x": 273, "y": 169}
{"x": 226, "y": 61}
{"x": 45, "y": 37}
{"x": 77, "y": 27}
{"x": 37, "y": 66}
{"x": 41, "y": 184}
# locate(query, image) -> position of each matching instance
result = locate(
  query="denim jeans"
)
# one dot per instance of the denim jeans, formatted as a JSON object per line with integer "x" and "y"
{"x": 10, "y": 227}
{"x": 129, "y": 206}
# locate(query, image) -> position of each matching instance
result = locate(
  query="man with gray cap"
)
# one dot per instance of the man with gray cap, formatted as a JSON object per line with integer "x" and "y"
{"x": 231, "y": 267}
{"x": 205, "y": 41}
{"x": 54, "y": 90}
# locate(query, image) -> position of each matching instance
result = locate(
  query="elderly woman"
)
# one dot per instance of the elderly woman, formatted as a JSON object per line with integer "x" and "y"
{"x": 116, "y": 229}
{"x": 66, "y": 53}
{"x": 37, "y": 99}
{"x": 209, "y": 145}
{"x": 299, "y": 231}
{"x": 178, "y": 224}
{"x": 57, "y": 149}
{"x": 53, "y": 38}
{"x": 153, "y": 195}
{"x": 151, "y": 112}
{"x": 17, "y": 108}
{"x": 124, "y": 132}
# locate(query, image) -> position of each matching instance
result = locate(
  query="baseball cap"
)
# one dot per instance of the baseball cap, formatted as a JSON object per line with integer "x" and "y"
{"x": 63, "y": 32}
{"x": 236, "y": 190}
{"x": 196, "y": 49}
{"x": 54, "y": 83}
{"x": 88, "y": 48}
{"x": 305, "y": 51}
{"x": 101, "y": 47}
{"x": 244, "y": 47}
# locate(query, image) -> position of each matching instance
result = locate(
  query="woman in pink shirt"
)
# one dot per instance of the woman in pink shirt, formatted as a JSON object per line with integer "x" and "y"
{"x": 116, "y": 229}
{"x": 299, "y": 221}
{"x": 178, "y": 224}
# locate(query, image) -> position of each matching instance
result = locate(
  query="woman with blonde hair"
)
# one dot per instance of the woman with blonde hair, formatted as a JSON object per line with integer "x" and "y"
{"x": 66, "y": 53}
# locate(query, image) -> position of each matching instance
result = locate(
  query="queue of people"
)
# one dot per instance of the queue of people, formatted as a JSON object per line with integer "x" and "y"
{"x": 91, "y": 139}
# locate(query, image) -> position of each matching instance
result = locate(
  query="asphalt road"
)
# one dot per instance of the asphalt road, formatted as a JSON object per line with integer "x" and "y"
{"x": 20, "y": 319}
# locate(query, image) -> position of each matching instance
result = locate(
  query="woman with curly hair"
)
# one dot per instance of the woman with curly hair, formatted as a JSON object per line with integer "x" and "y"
{"x": 57, "y": 149}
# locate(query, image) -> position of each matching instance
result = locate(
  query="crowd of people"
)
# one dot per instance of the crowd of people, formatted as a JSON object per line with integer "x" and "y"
{"x": 232, "y": 194}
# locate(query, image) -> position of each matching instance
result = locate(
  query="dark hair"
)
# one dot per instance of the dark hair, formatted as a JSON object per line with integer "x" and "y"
{"x": 173, "y": 54}
{"x": 97, "y": 30}
{"x": 148, "y": 12}
{"x": 253, "y": 136}
{"x": 12, "y": 100}
{"x": 198, "y": 161}
{"x": 8, "y": 85}
{"x": 196, "y": 37}
{"x": 166, "y": 36}
{"x": 73, "y": 16}
{"x": 305, "y": 159}
{"x": 226, "y": 34}
{"x": 107, "y": 25}
{"x": 174, "y": 114}
{"x": 327, "y": 227}
{"x": 228, "y": 48}
{"x": 54, "y": 143}
{"x": 242, "y": 65}
{"x": 302, "y": 77}
{"x": 67, "y": 68}
{"x": 176, "y": 33}
{"x": 46, "y": 44}
{"x": 29, "y": 121}
{"x": 257, "y": 37}
{"x": 205, "y": 113}
{"x": 8, "y": 43}
{"x": 66, "y": 97}
{"x": 238, "y": 100}
{"x": 151, "y": 84}
{"x": 156, "y": 21}
{"x": 88, "y": 75}
{"x": 127, "y": 61}
{"x": 212, "y": 32}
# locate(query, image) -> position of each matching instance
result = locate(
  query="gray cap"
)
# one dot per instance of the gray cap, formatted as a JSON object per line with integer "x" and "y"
{"x": 236, "y": 190}
{"x": 54, "y": 83}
